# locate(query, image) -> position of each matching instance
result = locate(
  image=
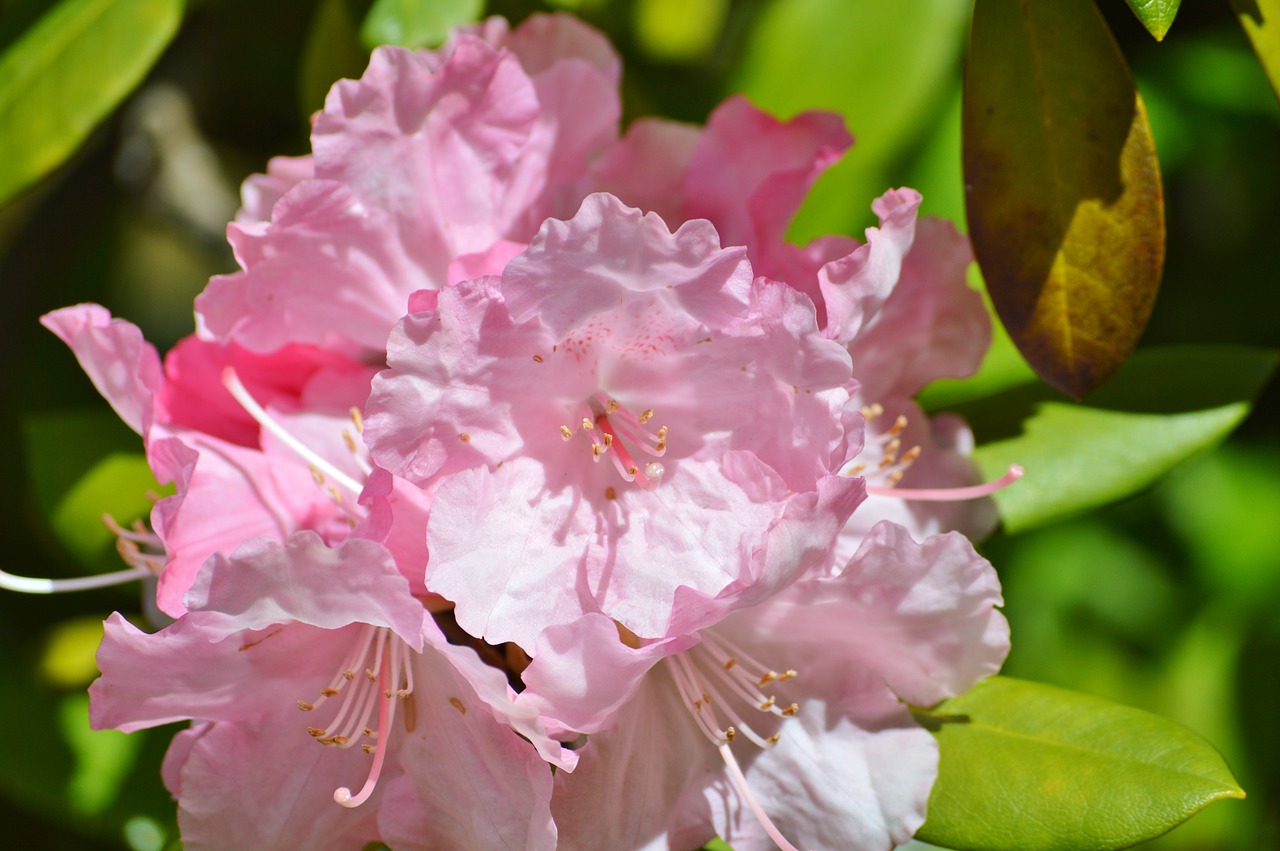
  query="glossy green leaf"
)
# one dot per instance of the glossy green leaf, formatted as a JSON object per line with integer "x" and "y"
{"x": 67, "y": 73}
{"x": 331, "y": 52}
{"x": 1030, "y": 767}
{"x": 416, "y": 23}
{"x": 1164, "y": 406}
{"x": 1156, "y": 15}
{"x": 1065, "y": 204}
{"x": 1261, "y": 22}
{"x": 883, "y": 66}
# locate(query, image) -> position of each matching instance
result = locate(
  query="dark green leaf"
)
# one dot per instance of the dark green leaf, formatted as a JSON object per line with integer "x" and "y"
{"x": 1065, "y": 204}
{"x": 67, "y": 73}
{"x": 1156, "y": 15}
{"x": 417, "y": 23}
{"x": 1163, "y": 406}
{"x": 1261, "y": 22}
{"x": 1030, "y": 767}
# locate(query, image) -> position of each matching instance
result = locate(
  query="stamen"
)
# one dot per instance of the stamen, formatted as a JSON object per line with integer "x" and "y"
{"x": 951, "y": 494}
{"x": 740, "y": 783}
{"x": 386, "y": 713}
{"x": 37, "y": 585}
{"x": 237, "y": 390}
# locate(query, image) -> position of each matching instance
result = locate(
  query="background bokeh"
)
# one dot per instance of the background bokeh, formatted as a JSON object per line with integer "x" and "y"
{"x": 1167, "y": 600}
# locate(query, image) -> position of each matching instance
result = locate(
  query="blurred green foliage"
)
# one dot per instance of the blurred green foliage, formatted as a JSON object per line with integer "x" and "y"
{"x": 1165, "y": 601}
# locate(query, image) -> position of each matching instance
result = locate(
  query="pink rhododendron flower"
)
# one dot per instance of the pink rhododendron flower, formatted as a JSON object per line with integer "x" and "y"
{"x": 234, "y": 480}
{"x": 336, "y": 633}
{"x": 433, "y": 167}
{"x": 782, "y": 723}
{"x": 899, "y": 302}
{"x": 625, "y": 412}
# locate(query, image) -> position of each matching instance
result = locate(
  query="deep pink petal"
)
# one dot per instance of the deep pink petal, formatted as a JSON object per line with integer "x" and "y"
{"x": 260, "y": 192}
{"x": 646, "y": 168}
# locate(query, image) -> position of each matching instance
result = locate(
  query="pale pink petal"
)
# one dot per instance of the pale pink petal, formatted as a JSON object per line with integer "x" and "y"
{"x": 641, "y": 773}
{"x": 933, "y": 325}
{"x": 582, "y": 673}
{"x": 856, "y": 286}
{"x": 305, "y": 581}
{"x": 588, "y": 264}
{"x": 647, "y": 167}
{"x": 269, "y": 626}
{"x": 175, "y": 758}
{"x": 260, "y": 192}
{"x": 750, "y": 172}
{"x": 850, "y": 770}
{"x": 471, "y": 781}
{"x": 517, "y": 553}
{"x": 451, "y": 131}
{"x": 329, "y": 270}
{"x": 922, "y": 616}
{"x": 123, "y": 366}
{"x": 543, "y": 41}
{"x": 268, "y": 785}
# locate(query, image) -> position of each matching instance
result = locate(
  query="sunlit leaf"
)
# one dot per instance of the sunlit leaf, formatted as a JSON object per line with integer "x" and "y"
{"x": 331, "y": 52}
{"x": 1030, "y": 767}
{"x": 1065, "y": 204}
{"x": 1261, "y": 22}
{"x": 676, "y": 30}
{"x": 67, "y": 73}
{"x": 883, "y": 66}
{"x": 103, "y": 758}
{"x": 1164, "y": 406}
{"x": 1156, "y": 15}
{"x": 416, "y": 23}
{"x": 69, "y": 659}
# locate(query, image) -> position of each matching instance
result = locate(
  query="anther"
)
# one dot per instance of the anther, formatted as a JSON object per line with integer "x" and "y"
{"x": 306, "y": 707}
{"x": 645, "y": 417}
{"x": 358, "y": 419}
{"x": 565, "y": 432}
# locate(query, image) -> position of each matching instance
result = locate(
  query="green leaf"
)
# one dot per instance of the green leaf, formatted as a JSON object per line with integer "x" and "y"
{"x": 1030, "y": 767}
{"x": 1261, "y": 22}
{"x": 67, "y": 73}
{"x": 416, "y": 23}
{"x": 833, "y": 54}
{"x": 331, "y": 52}
{"x": 1065, "y": 204}
{"x": 1156, "y": 15}
{"x": 1164, "y": 406}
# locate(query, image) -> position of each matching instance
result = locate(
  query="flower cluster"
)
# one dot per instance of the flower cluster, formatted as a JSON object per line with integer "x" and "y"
{"x": 530, "y": 490}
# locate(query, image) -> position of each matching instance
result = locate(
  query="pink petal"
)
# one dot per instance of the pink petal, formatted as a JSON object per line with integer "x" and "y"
{"x": 260, "y": 192}
{"x": 470, "y": 780}
{"x": 454, "y": 128}
{"x": 329, "y": 270}
{"x": 124, "y": 367}
{"x": 932, "y": 314}
{"x": 646, "y": 168}
{"x": 854, "y": 287}
{"x": 266, "y": 784}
